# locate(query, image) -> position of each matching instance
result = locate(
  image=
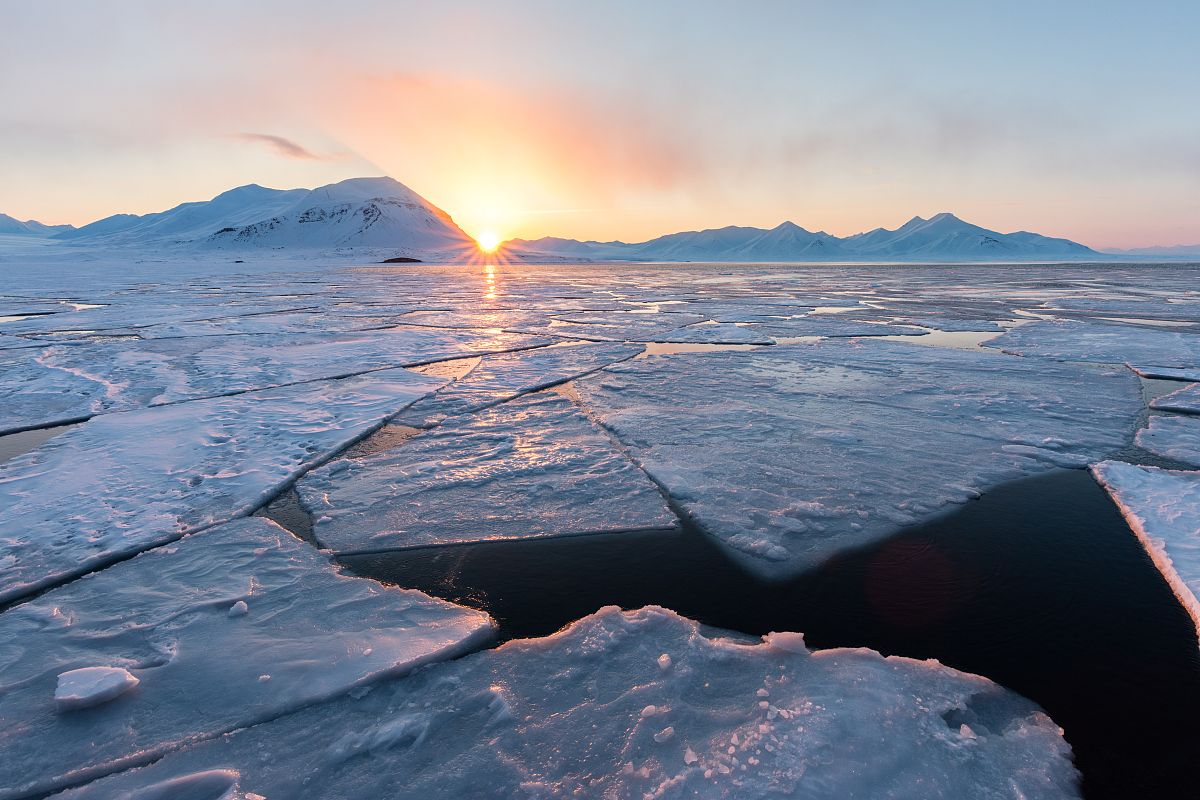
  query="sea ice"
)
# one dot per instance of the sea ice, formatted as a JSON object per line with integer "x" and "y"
{"x": 533, "y": 467}
{"x": 1186, "y": 400}
{"x": 1163, "y": 509}
{"x": 1176, "y": 438}
{"x": 793, "y": 453}
{"x": 829, "y": 326}
{"x": 123, "y": 482}
{"x": 179, "y": 669}
{"x": 1070, "y": 340}
{"x": 590, "y": 712}
{"x": 1168, "y": 373}
{"x": 501, "y": 377}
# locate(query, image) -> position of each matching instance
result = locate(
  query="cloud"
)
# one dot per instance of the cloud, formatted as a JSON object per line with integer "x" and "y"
{"x": 284, "y": 147}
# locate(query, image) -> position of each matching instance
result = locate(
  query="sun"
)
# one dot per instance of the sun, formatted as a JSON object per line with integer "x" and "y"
{"x": 488, "y": 241}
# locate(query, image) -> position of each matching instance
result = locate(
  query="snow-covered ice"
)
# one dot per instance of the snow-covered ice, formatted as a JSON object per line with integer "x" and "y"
{"x": 1186, "y": 400}
{"x": 177, "y": 668}
{"x": 1070, "y": 340}
{"x": 501, "y": 377}
{"x": 595, "y": 710}
{"x": 123, "y": 482}
{"x": 793, "y": 453}
{"x": 533, "y": 467}
{"x": 1163, "y": 509}
{"x": 1176, "y": 438}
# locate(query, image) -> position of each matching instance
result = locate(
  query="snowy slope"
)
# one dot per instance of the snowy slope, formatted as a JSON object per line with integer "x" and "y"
{"x": 11, "y": 226}
{"x": 943, "y": 237}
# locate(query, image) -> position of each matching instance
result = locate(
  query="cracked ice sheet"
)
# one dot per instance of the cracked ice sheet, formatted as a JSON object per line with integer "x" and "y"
{"x": 535, "y": 467}
{"x": 1110, "y": 344}
{"x": 793, "y": 453}
{"x": 125, "y": 482}
{"x": 501, "y": 377}
{"x": 827, "y": 326}
{"x": 646, "y": 704}
{"x": 1176, "y": 438}
{"x": 1186, "y": 400}
{"x": 68, "y": 383}
{"x": 1162, "y": 508}
{"x": 227, "y": 628}
{"x": 1168, "y": 373}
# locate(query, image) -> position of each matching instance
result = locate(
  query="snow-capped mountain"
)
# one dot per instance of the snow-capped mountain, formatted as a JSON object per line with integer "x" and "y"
{"x": 943, "y": 237}
{"x": 11, "y": 226}
{"x": 359, "y": 212}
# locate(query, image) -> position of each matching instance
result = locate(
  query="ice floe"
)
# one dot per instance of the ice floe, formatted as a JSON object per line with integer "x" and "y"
{"x": 1163, "y": 509}
{"x": 124, "y": 482}
{"x": 146, "y": 658}
{"x": 793, "y": 453}
{"x": 533, "y": 467}
{"x": 1186, "y": 400}
{"x": 1176, "y": 438}
{"x": 646, "y": 704}
{"x": 497, "y": 378}
{"x": 1069, "y": 340}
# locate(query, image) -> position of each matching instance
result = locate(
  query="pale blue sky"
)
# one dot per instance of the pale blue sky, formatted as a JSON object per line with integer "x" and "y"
{"x": 619, "y": 119}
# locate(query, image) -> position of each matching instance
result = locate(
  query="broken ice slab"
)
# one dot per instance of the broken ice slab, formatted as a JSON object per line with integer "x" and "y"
{"x": 1176, "y": 438}
{"x": 124, "y": 482}
{"x": 1186, "y": 400}
{"x": 533, "y": 467}
{"x": 1070, "y": 340}
{"x": 156, "y": 630}
{"x": 830, "y": 326}
{"x": 497, "y": 378}
{"x": 952, "y": 324}
{"x": 67, "y": 383}
{"x": 644, "y": 704}
{"x": 791, "y": 454}
{"x": 717, "y": 333}
{"x": 1168, "y": 373}
{"x": 1162, "y": 508}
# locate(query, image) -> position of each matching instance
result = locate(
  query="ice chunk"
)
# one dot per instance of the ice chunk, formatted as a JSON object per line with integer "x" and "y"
{"x": 501, "y": 377}
{"x": 1186, "y": 400}
{"x": 1109, "y": 344}
{"x": 1168, "y": 373}
{"x": 533, "y": 467}
{"x": 1176, "y": 438}
{"x": 830, "y": 326}
{"x": 1163, "y": 509}
{"x": 720, "y": 333}
{"x": 160, "y": 619}
{"x": 91, "y": 686}
{"x": 954, "y": 324}
{"x": 562, "y": 717}
{"x": 121, "y": 483}
{"x": 793, "y": 453}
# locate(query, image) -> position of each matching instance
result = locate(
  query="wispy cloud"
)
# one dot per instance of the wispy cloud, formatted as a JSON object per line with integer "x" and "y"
{"x": 282, "y": 146}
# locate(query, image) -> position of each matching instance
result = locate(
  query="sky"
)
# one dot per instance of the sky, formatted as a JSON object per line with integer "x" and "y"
{"x": 619, "y": 120}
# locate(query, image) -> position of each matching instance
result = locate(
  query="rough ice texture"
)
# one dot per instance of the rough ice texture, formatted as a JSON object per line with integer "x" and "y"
{"x": 1186, "y": 400}
{"x": 721, "y": 333}
{"x": 1109, "y": 344}
{"x": 310, "y": 635}
{"x": 647, "y": 704}
{"x": 791, "y": 454}
{"x": 121, "y": 483}
{"x": 66, "y": 383}
{"x": 90, "y": 686}
{"x": 829, "y": 325}
{"x": 501, "y": 377}
{"x": 534, "y": 467}
{"x": 1176, "y": 438}
{"x": 1163, "y": 509}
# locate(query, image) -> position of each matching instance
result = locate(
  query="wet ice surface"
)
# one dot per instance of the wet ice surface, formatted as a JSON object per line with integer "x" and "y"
{"x": 1186, "y": 400}
{"x": 227, "y": 628}
{"x": 647, "y": 704}
{"x": 125, "y": 482}
{"x": 529, "y": 468}
{"x": 891, "y": 435}
{"x": 1175, "y": 437}
{"x": 760, "y": 451}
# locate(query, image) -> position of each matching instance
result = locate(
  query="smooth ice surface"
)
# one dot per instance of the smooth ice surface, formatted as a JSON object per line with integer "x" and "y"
{"x": 532, "y": 467}
{"x": 90, "y": 686}
{"x": 647, "y": 704}
{"x": 1186, "y": 400}
{"x": 501, "y": 377}
{"x": 1163, "y": 509}
{"x": 790, "y": 454}
{"x": 1176, "y": 438}
{"x": 67, "y": 383}
{"x": 121, "y": 483}
{"x": 1069, "y": 340}
{"x": 310, "y": 634}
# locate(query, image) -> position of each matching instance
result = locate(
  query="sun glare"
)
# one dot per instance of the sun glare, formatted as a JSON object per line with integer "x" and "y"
{"x": 488, "y": 241}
